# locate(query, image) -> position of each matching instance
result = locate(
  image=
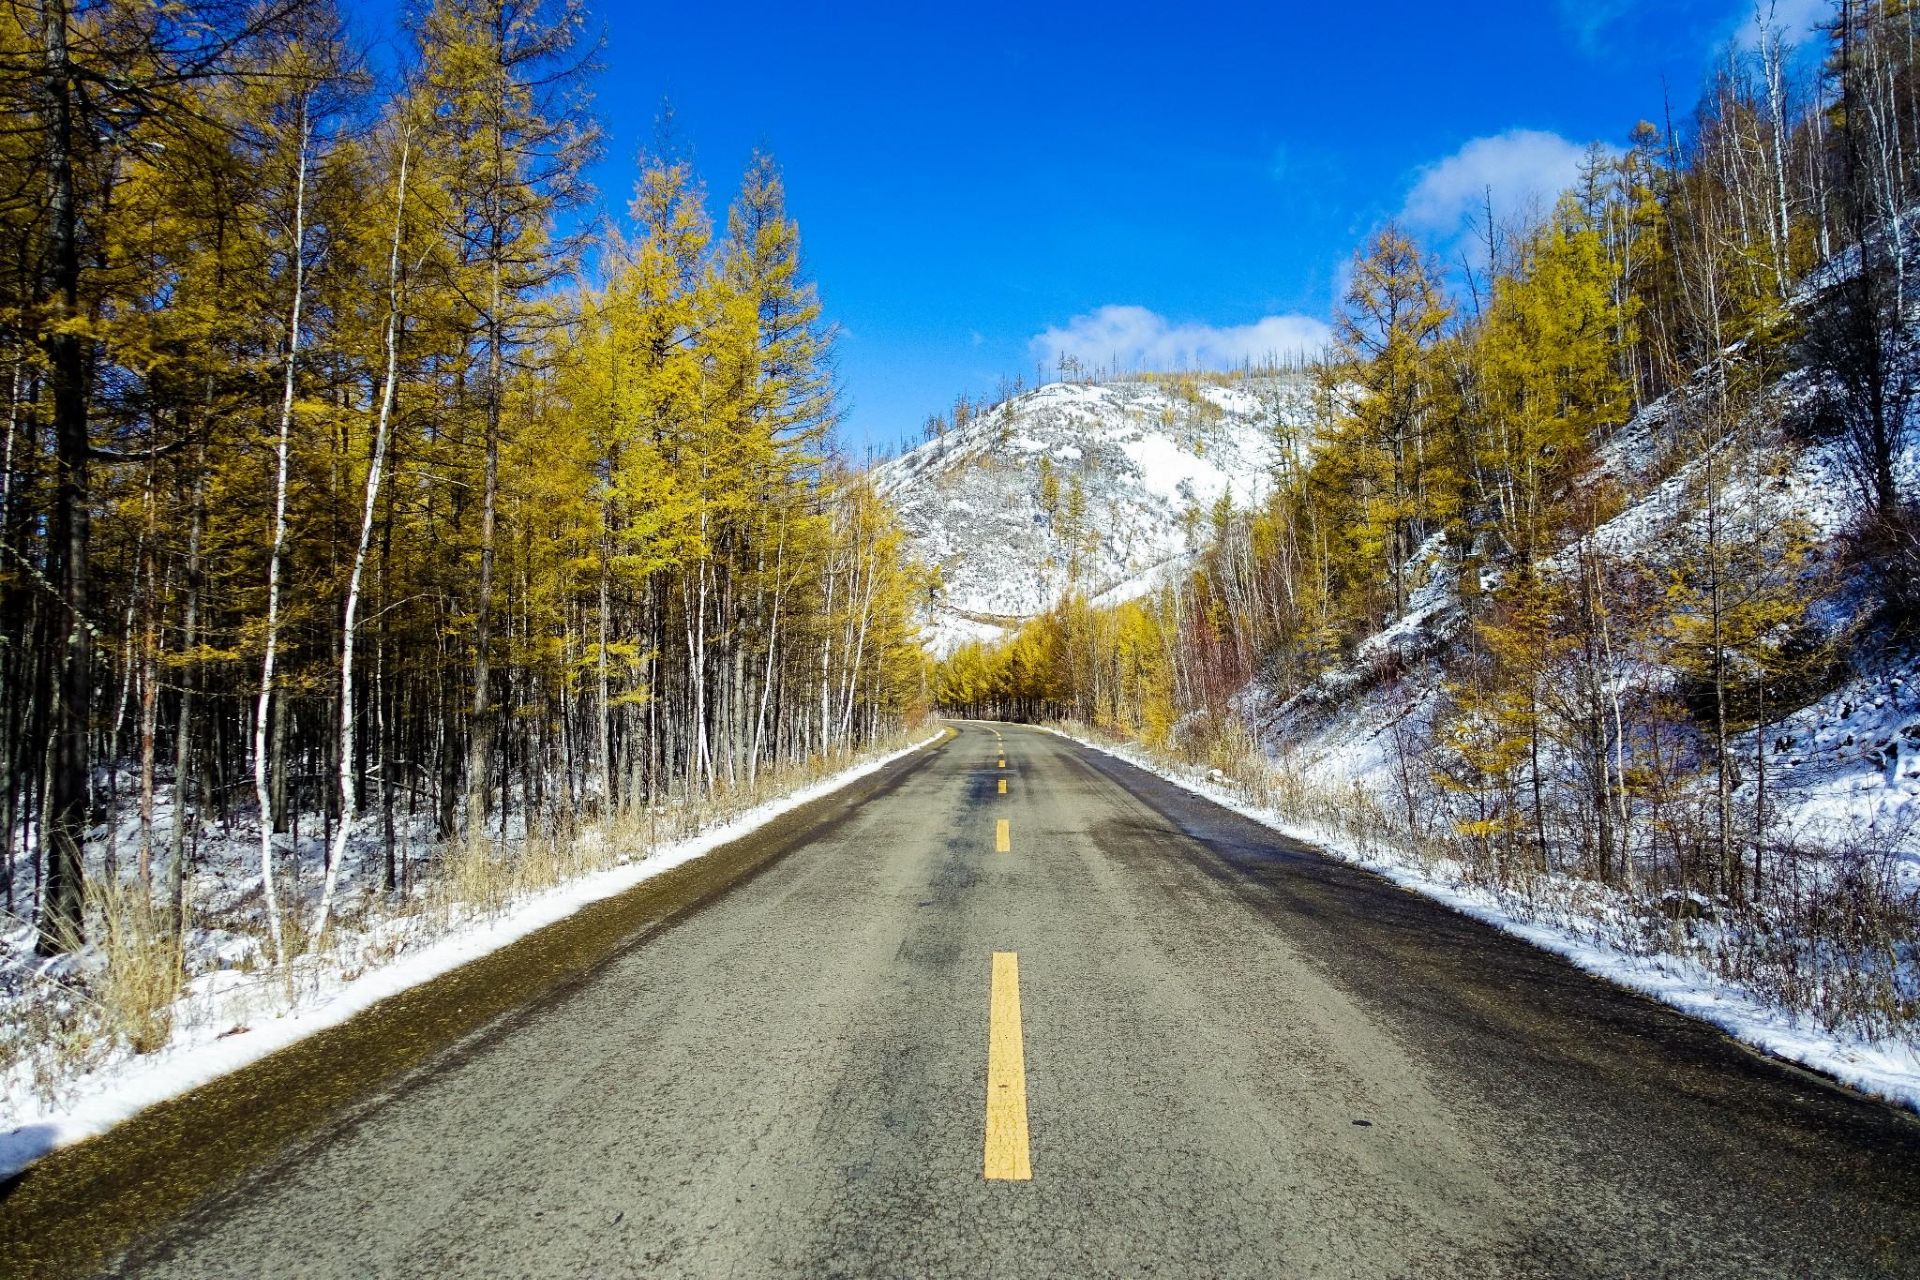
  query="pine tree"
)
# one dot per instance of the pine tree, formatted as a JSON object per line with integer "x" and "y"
{"x": 1386, "y": 456}
{"x": 1548, "y": 377}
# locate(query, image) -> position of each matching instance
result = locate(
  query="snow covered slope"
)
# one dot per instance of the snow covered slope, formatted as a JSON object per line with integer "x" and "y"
{"x": 1843, "y": 769}
{"x": 1094, "y": 488}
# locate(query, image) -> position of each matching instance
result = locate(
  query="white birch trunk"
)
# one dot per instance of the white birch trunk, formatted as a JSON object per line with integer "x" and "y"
{"x": 859, "y": 647}
{"x": 348, "y": 792}
{"x": 773, "y": 649}
{"x": 264, "y": 704}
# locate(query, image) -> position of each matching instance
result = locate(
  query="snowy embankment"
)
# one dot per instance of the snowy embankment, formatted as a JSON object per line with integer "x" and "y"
{"x": 1572, "y": 923}
{"x": 221, "y": 1028}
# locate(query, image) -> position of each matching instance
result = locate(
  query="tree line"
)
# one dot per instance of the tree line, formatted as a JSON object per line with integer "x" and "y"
{"x": 1603, "y": 703}
{"x": 354, "y": 470}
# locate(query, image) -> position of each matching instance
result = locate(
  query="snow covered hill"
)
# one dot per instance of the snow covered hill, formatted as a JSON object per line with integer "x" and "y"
{"x": 1843, "y": 769}
{"x": 1095, "y": 488}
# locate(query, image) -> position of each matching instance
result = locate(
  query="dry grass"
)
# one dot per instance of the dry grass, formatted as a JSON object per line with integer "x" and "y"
{"x": 121, "y": 998}
{"x": 126, "y": 992}
{"x": 1835, "y": 937}
{"x": 488, "y": 876}
{"x": 142, "y": 970}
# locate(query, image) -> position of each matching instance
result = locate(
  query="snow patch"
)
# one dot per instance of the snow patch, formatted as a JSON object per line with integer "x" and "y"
{"x": 1888, "y": 1070}
{"x": 226, "y": 999}
{"x": 1143, "y": 461}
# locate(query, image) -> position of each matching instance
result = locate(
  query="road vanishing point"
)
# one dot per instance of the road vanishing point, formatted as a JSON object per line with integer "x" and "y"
{"x": 1007, "y": 1007}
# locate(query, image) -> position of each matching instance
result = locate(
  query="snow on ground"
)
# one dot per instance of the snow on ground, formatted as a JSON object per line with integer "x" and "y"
{"x": 943, "y": 631}
{"x": 1171, "y": 471}
{"x": 1844, "y": 765}
{"x": 1849, "y": 763}
{"x": 232, "y": 1018}
{"x": 1565, "y": 925}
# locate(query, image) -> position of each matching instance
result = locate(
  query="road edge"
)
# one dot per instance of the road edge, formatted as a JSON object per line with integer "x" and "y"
{"x": 1734, "y": 1013}
{"x": 75, "y": 1206}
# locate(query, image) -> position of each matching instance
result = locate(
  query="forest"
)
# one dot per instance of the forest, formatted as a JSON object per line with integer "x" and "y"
{"x": 1709, "y": 305}
{"x": 357, "y": 473}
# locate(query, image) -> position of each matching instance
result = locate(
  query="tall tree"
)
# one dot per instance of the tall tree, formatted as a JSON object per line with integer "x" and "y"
{"x": 108, "y": 82}
{"x": 502, "y": 79}
{"x": 1393, "y": 312}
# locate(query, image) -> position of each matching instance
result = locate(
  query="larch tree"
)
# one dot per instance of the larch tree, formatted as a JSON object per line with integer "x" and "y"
{"x": 101, "y": 84}
{"x": 509, "y": 131}
{"x": 1393, "y": 312}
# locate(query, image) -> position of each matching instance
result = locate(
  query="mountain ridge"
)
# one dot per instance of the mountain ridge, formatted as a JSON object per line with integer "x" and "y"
{"x": 1097, "y": 488}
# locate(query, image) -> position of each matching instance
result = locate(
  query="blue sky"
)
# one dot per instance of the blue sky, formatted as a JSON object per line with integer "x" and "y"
{"x": 981, "y": 185}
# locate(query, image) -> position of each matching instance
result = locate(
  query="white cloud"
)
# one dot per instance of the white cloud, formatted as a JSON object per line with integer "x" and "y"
{"x": 1524, "y": 169}
{"x": 1126, "y": 337}
{"x": 1589, "y": 20}
{"x": 1794, "y": 21}
{"x": 1592, "y": 23}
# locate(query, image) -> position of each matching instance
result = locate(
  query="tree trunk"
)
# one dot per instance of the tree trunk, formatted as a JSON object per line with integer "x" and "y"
{"x": 349, "y": 793}
{"x": 149, "y": 682}
{"x": 480, "y": 726}
{"x": 263, "y": 793}
{"x": 71, "y": 672}
{"x": 189, "y": 681}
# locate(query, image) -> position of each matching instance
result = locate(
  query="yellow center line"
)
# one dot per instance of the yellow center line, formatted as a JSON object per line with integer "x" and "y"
{"x": 1003, "y": 762}
{"x": 1003, "y": 786}
{"x": 1002, "y": 838}
{"x": 1006, "y": 1076}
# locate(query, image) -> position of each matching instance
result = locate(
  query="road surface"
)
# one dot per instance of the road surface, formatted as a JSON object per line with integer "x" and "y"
{"x": 1055, "y": 1017}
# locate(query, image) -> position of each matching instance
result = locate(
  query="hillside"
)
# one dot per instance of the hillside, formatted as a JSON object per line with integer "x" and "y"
{"x": 1839, "y": 755}
{"x": 1637, "y": 681}
{"x": 1096, "y": 488}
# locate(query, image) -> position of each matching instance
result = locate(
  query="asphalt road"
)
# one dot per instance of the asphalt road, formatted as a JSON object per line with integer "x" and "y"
{"x": 1230, "y": 1057}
